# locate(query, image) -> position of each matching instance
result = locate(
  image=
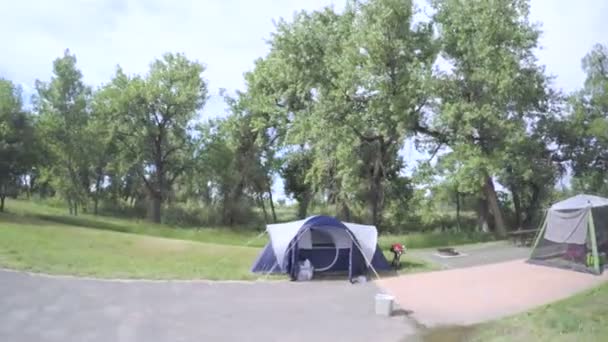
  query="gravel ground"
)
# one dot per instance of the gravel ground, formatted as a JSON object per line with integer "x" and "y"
{"x": 480, "y": 293}
{"x": 475, "y": 255}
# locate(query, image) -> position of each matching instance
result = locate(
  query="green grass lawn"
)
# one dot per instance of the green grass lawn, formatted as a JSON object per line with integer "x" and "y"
{"x": 44, "y": 246}
{"x": 583, "y": 318}
{"x": 223, "y": 235}
{"x": 40, "y": 238}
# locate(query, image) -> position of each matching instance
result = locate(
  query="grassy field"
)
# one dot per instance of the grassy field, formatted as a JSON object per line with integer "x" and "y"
{"x": 238, "y": 237}
{"x": 583, "y": 318}
{"x": 40, "y": 238}
{"x": 44, "y": 246}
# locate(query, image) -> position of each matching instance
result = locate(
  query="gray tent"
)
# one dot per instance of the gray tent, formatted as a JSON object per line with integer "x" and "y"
{"x": 574, "y": 235}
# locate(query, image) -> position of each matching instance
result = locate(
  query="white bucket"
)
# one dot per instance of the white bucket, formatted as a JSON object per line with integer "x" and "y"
{"x": 384, "y": 304}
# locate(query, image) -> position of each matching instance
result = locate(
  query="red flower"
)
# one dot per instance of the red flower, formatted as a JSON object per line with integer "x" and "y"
{"x": 397, "y": 247}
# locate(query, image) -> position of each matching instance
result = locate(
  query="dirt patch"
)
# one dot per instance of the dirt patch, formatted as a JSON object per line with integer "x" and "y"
{"x": 476, "y": 294}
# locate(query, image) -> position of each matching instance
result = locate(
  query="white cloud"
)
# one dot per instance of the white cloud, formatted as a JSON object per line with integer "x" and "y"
{"x": 570, "y": 29}
{"x": 227, "y": 36}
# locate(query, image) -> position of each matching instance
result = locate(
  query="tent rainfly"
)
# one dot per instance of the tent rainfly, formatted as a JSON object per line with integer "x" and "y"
{"x": 329, "y": 244}
{"x": 574, "y": 235}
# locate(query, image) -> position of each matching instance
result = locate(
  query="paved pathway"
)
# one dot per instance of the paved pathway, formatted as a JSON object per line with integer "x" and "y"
{"x": 42, "y": 308}
{"x": 475, "y": 255}
{"x": 480, "y": 293}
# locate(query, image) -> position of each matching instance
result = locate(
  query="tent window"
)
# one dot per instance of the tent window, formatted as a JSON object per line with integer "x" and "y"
{"x": 321, "y": 239}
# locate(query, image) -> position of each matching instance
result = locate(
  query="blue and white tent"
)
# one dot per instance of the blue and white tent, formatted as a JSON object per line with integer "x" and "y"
{"x": 329, "y": 244}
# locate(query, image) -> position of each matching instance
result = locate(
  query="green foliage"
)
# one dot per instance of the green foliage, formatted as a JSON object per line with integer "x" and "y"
{"x": 364, "y": 76}
{"x": 152, "y": 116}
{"x": 486, "y": 100}
{"x": 234, "y": 166}
{"x": 582, "y": 136}
{"x": 63, "y": 109}
{"x": 17, "y": 140}
{"x": 296, "y": 167}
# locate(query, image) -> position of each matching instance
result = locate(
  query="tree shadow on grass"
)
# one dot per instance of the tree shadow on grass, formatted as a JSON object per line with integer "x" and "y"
{"x": 30, "y": 220}
{"x": 82, "y": 221}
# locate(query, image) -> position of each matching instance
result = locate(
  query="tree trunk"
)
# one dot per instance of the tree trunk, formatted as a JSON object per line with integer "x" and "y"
{"x": 156, "y": 207}
{"x": 95, "y": 205}
{"x": 494, "y": 207}
{"x": 377, "y": 188}
{"x": 458, "y": 211}
{"x": 343, "y": 211}
{"x": 274, "y": 214}
{"x": 482, "y": 218}
{"x": 376, "y": 195}
{"x": 2, "y": 197}
{"x": 303, "y": 202}
{"x": 517, "y": 207}
{"x": 70, "y": 208}
{"x": 157, "y": 193}
{"x": 97, "y": 191}
{"x": 531, "y": 210}
{"x": 261, "y": 201}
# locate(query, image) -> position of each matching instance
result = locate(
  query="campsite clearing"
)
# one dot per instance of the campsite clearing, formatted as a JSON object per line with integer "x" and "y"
{"x": 39, "y": 238}
{"x": 477, "y": 294}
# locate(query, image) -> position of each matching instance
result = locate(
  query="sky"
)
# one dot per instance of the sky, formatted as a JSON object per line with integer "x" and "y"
{"x": 226, "y": 35}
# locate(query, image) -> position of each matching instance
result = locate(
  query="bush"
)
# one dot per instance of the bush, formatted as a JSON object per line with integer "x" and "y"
{"x": 123, "y": 209}
{"x": 192, "y": 214}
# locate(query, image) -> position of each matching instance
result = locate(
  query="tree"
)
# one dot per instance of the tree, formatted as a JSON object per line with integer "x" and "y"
{"x": 492, "y": 85}
{"x": 294, "y": 170}
{"x": 235, "y": 157}
{"x": 16, "y": 140}
{"x": 63, "y": 109}
{"x": 101, "y": 142}
{"x": 153, "y": 119}
{"x": 529, "y": 173}
{"x": 581, "y": 136}
{"x": 338, "y": 81}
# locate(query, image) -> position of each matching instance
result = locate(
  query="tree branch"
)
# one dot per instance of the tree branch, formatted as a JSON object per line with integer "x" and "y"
{"x": 364, "y": 137}
{"x": 441, "y": 137}
{"x": 439, "y": 145}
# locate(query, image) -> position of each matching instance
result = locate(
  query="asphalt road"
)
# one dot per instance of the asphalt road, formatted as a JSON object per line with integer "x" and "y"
{"x": 45, "y": 308}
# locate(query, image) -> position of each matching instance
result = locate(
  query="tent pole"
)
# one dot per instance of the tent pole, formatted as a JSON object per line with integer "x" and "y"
{"x": 369, "y": 262}
{"x": 596, "y": 258}
{"x": 541, "y": 231}
{"x": 297, "y": 239}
